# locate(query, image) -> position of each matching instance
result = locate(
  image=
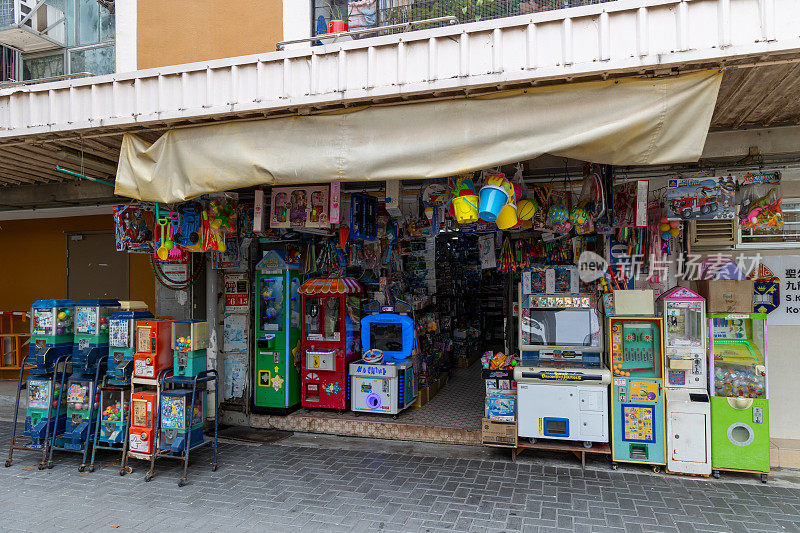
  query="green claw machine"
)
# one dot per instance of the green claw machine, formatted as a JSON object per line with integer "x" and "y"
{"x": 739, "y": 393}
{"x": 277, "y": 326}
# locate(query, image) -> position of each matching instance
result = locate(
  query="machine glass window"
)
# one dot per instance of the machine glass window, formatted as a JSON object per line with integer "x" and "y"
{"x": 562, "y": 327}
{"x": 386, "y": 337}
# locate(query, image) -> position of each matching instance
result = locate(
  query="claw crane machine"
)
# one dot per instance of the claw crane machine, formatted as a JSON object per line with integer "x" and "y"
{"x": 277, "y": 379}
{"x": 739, "y": 393}
{"x": 329, "y": 340}
{"x": 50, "y": 349}
{"x": 686, "y": 382}
{"x": 89, "y": 357}
{"x": 637, "y": 394}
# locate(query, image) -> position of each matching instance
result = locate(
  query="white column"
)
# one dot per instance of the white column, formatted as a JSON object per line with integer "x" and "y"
{"x": 296, "y": 20}
{"x": 125, "y": 19}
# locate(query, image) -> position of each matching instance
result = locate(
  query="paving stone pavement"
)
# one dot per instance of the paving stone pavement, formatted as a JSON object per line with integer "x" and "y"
{"x": 284, "y": 487}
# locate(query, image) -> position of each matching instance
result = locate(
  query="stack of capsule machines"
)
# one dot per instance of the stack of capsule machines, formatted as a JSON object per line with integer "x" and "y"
{"x": 151, "y": 361}
{"x": 50, "y": 350}
{"x": 686, "y": 382}
{"x": 739, "y": 393}
{"x": 277, "y": 382}
{"x": 330, "y": 337}
{"x": 89, "y": 357}
{"x": 115, "y": 388}
{"x": 636, "y": 347}
{"x": 183, "y": 402}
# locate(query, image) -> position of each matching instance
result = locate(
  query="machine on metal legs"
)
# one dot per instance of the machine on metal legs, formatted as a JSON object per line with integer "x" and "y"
{"x": 637, "y": 394}
{"x": 739, "y": 393}
{"x": 686, "y": 382}
{"x": 122, "y": 341}
{"x": 50, "y": 350}
{"x": 189, "y": 339}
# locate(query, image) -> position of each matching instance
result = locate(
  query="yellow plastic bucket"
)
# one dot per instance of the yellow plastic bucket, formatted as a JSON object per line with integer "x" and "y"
{"x": 507, "y": 217}
{"x": 466, "y": 208}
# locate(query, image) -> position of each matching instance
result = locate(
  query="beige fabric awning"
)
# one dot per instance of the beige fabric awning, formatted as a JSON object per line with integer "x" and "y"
{"x": 633, "y": 121}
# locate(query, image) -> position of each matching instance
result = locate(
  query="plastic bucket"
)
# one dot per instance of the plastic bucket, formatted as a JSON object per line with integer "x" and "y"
{"x": 507, "y": 217}
{"x": 466, "y": 208}
{"x": 493, "y": 198}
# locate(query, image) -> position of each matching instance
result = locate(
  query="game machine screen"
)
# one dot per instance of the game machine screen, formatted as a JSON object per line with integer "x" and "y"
{"x": 637, "y": 412}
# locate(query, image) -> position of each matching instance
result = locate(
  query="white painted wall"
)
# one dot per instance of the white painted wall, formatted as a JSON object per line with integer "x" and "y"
{"x": 296, "y": 19}
{"x": 125, "y": 18}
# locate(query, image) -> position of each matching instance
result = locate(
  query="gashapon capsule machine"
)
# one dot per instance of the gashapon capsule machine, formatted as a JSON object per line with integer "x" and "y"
{"x": 383, "y": 380}
{"x": 637, "y": 395}
{"x": 112, "y": 431}
{"x": 189, "y": 339}
{"x": 122, "y": 341}
{"x": 50, "y": 349}
{"x": 277, "y": 389}
{"x": 89, "y": 357}
{"x": 153, "y": 348}
{"x": 329, "y": 340}
{"x": 686, "y": 382}
{"x": 739, "y": 393}
{"x": 562, "y": 383}
{"x": 141, "y": 435}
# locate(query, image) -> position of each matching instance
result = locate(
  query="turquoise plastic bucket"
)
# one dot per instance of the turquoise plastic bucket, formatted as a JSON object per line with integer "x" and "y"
{"x": 493, "y": 198}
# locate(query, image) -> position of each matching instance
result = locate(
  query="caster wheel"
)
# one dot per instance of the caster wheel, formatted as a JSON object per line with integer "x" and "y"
{"x": 763, "y": 478}
{"x": 40, "y": 466}
{"x": 394, "y": 417}
{"x": 128, "y": 469}
{"x": 356, "y": 414}
{"x": 214, "y": 467}
{"x": 587, "y": 444}
{"x": 656, "y": 469}
{"x": 182, "y": 483}
{"x": 614, "y": 466}
{"x": 81, "y": 468}
{"x": 49, "y": 465}
{"x": 532, "y": 440}
{"x": 8, "y": 463}
{"x": 148, "y": 478}
{"x": 121, "y": 471}
{"x": 715, "y": 474}
{"x": 91, "y": 468}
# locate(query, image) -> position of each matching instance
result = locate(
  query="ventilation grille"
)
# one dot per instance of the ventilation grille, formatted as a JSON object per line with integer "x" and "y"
{"x": 715, "y": 233}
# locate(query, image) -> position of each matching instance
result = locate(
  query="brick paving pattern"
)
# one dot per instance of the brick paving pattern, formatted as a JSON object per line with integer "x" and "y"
{"x": 293, "y": 488}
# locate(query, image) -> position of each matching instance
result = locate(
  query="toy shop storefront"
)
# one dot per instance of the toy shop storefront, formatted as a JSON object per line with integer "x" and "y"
{"x": 361, "y": 304}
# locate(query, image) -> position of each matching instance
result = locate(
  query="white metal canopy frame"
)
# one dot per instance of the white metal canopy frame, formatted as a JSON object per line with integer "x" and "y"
{"x": 632, "y": 121}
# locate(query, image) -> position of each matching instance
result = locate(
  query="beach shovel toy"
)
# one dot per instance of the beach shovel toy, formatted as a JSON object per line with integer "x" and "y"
{"x": 507, "y": 217}
{"x": 493, "y": 198}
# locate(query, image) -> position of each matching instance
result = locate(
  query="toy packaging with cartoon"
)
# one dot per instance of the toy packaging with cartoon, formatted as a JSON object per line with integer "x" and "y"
{"x": 701, "y": 199}
{"x": 760, "y": 199}
{"x": 133, "y": 228}
{"x": 300, "y": 207}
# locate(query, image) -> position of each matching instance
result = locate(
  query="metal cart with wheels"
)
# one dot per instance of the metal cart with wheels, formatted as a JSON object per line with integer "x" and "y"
{"x": 144, "y": 399}
{"x": 181, "y": 407}
{"x": 111, "y": 431}
{"x": 44, "y": 393}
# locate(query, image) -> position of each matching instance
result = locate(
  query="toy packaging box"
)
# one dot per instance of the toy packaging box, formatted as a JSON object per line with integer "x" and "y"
{"x": 133, "y": 228}
{"x": 501, "y": 407}
{"x": 300, "y": 207}
{"x": 701, "y": 199}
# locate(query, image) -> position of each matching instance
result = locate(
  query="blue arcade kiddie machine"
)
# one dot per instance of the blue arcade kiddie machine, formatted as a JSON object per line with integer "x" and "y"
{"x": 89, "y": 357}
{"x": 383, "y": 380}
{"x": 50, "y": 350}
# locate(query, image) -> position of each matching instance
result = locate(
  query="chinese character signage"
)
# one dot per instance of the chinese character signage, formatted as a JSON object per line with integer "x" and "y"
{"x": 779, "y": 293}
{"x": 237, "y": 293}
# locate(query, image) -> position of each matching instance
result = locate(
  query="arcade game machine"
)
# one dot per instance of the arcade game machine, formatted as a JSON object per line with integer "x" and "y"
{"x": 329, "y": 340}
{"x": 686, "y": 387}
{"x": 383, "y": 381}
{"x": 739, "y": 393}
{"x": 637, "y": 397}
{"x": 89, "y": 357}
{"x": 189, "y": 339}
{"x": 50, "y": 350}
{"x": 115, "y": 389}
{"x": 277, "y": 389}
{"x": 562, "y": 383}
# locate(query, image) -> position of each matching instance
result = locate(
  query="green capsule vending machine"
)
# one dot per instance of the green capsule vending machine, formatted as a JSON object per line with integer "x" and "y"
{"x": 277, "y": 325}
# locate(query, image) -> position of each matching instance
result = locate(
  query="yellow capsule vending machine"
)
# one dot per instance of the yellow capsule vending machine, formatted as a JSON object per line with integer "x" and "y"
{"x": 637, "y": 393}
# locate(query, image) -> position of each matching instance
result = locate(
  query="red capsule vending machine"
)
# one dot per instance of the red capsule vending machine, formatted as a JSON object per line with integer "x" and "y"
{"x": 330, "y": 340}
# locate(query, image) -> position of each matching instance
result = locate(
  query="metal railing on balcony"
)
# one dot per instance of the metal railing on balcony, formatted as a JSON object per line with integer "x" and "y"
{"x": 361, "y": 14}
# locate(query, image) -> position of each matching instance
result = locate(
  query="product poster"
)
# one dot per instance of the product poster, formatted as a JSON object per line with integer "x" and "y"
{"x": 486, "y": 251}
{"x": 701, "y": 199}
{"x": 133, "y": 228}
{"x": 237, "y": 293}
{"x": 300, "y": 207}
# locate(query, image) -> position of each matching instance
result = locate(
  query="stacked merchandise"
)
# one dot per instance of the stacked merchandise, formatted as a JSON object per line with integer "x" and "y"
{"x": 499, "y": 426}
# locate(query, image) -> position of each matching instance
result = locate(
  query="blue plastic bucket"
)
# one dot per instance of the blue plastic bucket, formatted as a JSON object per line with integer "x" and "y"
{"x": 493, "y": 198}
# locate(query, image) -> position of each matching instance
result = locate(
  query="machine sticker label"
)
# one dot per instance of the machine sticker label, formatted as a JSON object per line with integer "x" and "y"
{"x": 77, "y": 393}
{"x": 638, "y": 422}
{"x": 43, "y": 322}
{"x": 620, "y": 382}
{"x": 644, "y": 391}
{"x": 86, "y": 320}
{"x": 136, "y": 443}
{"x": 553, "y": 375}
{"x": 277, "y": 383}
{"x": 118, "y": 333}
{"x": 143, "y": 340}
{"x": 83, "y": 344}
{"x": 331, "y": 389}
{"x": 264, "y": 378}
{"x": 173, "y": 412}
{"x": 142, "y": 369}
{"x": 371, "y": 370}
{"x": 38, "y": 394}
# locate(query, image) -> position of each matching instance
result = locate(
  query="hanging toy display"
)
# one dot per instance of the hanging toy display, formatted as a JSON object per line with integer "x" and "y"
{"x": 763, "y": 213}
{"x": 507, "y": 263}
{"x": 464, "y": 206}
{"x": 526, "y": 209}
{"x": 558, "y": 218}
{"x": 494, "y": 196}
{"x": 434, "y": 194}
{"x": 579, "y": 217}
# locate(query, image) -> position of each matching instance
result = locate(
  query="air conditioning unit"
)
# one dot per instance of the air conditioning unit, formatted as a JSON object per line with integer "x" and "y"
{"x": 715, "y": 233}
{"x": 31, "y": 25}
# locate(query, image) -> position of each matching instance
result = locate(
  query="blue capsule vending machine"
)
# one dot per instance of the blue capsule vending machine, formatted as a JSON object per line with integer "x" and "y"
{"x": 637, "y": 391}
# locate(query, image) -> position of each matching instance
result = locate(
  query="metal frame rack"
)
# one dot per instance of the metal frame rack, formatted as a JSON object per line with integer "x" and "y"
{"x": 156, "y": 383}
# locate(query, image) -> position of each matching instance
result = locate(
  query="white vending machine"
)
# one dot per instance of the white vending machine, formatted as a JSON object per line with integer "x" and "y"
{"x": 562, "y": 383}
{"x": 686, "y": 382}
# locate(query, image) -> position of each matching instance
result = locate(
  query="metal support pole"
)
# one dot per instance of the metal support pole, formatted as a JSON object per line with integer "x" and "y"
{"x": 212, "y": 318}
